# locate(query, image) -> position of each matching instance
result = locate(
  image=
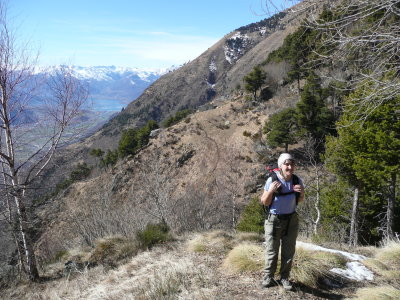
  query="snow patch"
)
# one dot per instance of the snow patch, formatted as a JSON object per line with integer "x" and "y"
{"x": 210, "y": 86}
{"x": 236, "y": 46}
{"x": 355, "y": 271}
{"x": 213, "y": 67}
{"x": 263, "y": 31}
{"x": 349, "y": 256}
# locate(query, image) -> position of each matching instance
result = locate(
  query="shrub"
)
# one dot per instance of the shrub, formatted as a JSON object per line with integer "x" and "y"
{"x": 246, "y": 133}
{"x": 133, "y": 139}
{"x": 252, "y": 218}
{"x": 110, "y": 251}
{"x": 80, "y": 172}
{"x": 110, "y": 159}
{"x": 180, "y": 115}
{"x": 97, "y": 152}
{"x": 153, "y": 234}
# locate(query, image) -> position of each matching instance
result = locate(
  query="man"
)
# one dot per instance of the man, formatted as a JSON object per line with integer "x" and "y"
{"x": 281, "y": 194}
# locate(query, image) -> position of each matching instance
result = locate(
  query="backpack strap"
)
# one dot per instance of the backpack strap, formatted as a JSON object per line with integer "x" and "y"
{"x": 296, "y": 181}
{"x": 267, "y": 207}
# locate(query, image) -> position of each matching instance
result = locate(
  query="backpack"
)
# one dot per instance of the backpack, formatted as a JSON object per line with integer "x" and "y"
{"x": 272, "y": 173}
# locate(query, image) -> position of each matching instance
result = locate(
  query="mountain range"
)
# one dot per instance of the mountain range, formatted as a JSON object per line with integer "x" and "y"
{"x": 111, "y": 87}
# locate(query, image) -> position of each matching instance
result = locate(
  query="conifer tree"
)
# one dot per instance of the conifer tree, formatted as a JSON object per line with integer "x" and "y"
{"x": 281, "y": 129}
{"x": 313, "y": 116}
{"x": 255, "y": 80}
{"x": 365, "y": 153}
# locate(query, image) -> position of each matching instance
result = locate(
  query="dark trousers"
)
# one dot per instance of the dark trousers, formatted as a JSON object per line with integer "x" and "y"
{"x": 280, "y": 232}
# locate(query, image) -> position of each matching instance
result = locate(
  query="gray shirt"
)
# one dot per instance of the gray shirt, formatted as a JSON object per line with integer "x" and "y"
{"x": 283, "y": 204}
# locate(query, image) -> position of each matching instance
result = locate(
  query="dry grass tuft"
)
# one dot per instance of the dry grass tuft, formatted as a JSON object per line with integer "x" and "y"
{"x": 197, "y": 244}
{"x": 211, "y": 242}
{"x": 376, "y": 266}
{"x": 386, "y": 263}
{"x": 245, "y": 258}
{"x": 390, "y": 254}
{"x": 378, "y": 293}
{"x": 249, "y": 236}
{"x": 310, "y": 267}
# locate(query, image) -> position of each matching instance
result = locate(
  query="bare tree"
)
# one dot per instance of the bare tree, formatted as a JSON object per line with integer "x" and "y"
{"x": 231, "y": 178}
{"x": 155, "y": 187}
{"x": 361, "y": 36}
{"x": 364, "y": 36}
{"x": 310, "y": 151}
{"x": 63, "y": 101}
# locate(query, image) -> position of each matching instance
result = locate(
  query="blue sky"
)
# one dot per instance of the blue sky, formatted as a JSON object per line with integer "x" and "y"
{"x": 129, "y": 33}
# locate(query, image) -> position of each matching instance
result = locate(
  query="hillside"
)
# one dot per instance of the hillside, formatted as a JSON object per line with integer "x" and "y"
{"x": 214, "y": 74}
{"x": 217, "y": 150}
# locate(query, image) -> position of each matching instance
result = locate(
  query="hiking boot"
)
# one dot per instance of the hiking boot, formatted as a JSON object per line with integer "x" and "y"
{"x": 286, "y": 284}
{"x": 267, "y": 282}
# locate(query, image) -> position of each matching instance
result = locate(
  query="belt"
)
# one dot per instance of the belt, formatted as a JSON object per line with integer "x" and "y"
{"x": 284, "y": 216}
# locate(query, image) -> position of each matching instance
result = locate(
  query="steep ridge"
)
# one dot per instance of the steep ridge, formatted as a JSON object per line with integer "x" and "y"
{"x": 215, "y": 73}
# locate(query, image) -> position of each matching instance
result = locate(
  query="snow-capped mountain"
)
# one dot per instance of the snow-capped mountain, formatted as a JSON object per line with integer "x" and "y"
{"x": 111, "y": 87}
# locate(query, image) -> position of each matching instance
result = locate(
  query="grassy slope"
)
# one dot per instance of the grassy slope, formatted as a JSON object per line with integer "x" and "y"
{"x": 197, "y": 267}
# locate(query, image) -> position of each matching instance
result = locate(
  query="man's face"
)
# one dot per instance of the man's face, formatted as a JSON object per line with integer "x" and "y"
{"x": 288, "y": 168}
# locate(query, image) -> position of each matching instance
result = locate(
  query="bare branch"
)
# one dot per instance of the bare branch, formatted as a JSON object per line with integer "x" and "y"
{"x": 364, "y": 37}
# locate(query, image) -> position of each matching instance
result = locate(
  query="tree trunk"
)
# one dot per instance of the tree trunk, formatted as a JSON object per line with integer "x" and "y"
{"x": 298, "y": 83}
{"x": 317, "y": 201}
{"x": 390, "y": 207}
{"x": 234, "y": 213}
{"x": 26, "y": 240}
{"x": 353, "y": 239}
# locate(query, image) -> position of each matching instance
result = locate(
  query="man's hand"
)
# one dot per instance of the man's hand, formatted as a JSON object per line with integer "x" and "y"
{"x": 274, "y": 186}
{"x": 299, "y": 189}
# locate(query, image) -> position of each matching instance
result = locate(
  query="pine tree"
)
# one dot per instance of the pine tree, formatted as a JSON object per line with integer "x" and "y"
{"x": 313, "y": 116}
{"x": 366, "y": 155}
{"x": 281, "y": 129}
{"x": 255, "y": 80}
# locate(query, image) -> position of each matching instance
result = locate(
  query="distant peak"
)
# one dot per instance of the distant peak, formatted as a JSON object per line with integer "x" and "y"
{"x": 106, "y": 72}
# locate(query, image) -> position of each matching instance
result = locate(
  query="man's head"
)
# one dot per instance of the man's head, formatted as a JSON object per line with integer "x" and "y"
{"x": 283, "y": 157}
{"x": 286, "y": 165}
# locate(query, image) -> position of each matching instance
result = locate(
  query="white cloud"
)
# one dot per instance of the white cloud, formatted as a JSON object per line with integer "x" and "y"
{"x": 163, "y": 47}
